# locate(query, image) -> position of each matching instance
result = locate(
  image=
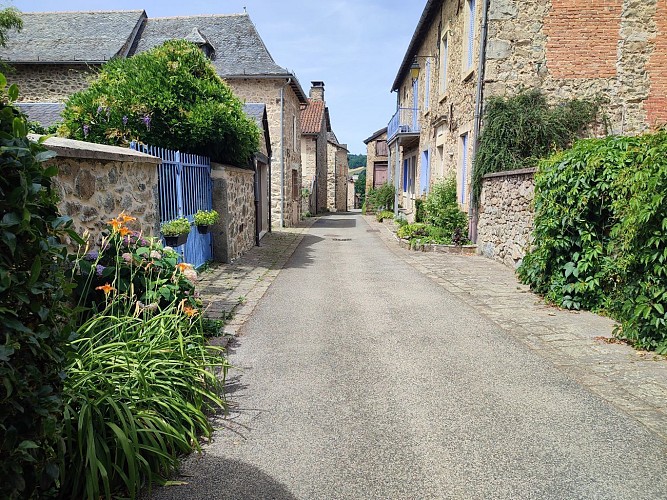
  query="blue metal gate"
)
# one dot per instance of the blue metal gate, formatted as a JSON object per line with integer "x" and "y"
{"x": 185, "y": 186}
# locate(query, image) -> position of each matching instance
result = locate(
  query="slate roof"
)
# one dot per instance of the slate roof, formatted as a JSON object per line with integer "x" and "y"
{"x": 256, "y": 112}
{"x": 376, "y": 134}
{"x": 239, "y": 50}
{"x": 44, "y": 113}
{"x": 92, "y": 37}
{"x": 311, "y": 117}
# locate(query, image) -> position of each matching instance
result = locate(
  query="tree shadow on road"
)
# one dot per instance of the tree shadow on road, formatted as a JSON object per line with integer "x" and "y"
{"x": 302, "y": 256}
{"x": 210, "y": 477}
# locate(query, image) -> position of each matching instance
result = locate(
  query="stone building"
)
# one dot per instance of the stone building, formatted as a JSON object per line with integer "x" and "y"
{"x": 377, "y": 160}
{"x": 465, "y": 51}
{"x": 315, "y": 126}
{"x": 57, "y": 53}
{"x": 337, "y": 174}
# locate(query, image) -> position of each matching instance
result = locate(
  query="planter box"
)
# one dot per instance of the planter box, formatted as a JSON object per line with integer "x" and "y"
{"x": 433, "y": 247}
{"x": 176, "y": 241}
{"x": 204, "y": 229}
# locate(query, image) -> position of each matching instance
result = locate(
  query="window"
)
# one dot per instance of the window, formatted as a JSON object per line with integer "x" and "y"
{"x": 427, "y": 84}
{"x": 464, "y": 167}
{"x": 470, "y": 33}
{"x": 381, "y": 148}
{"x": 296, "y": 191}
{"x": 444, "y": 56}
{"x": 425, "y": 173}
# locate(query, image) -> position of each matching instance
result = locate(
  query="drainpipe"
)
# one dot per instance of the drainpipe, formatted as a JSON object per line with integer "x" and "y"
{"x": 472, "y": 210}
{"x": 282, "y": 152}
{"x": 258, "y": 220}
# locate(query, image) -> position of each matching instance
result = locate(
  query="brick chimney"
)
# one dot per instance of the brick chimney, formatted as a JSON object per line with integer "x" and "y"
{"x": 317, "y": 91}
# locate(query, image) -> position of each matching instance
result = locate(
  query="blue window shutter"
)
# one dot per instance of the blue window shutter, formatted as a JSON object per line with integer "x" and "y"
{"x": 471, "y": 31}
{"x": 424, "y": 173}
{"x": 427, "y": 84}
{"x": 405, "y": 176}
{"x": 464, "y": 166}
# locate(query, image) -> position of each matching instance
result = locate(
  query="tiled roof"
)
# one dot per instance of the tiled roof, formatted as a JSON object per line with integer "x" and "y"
{"x": 44, "y": 113}
{"x": 256, "y": 112}
{"x": 311, "y": 117}
{"x": 239, "y": 50}
{"x": 72, "y": 36}
{"x": 331, "y": 137}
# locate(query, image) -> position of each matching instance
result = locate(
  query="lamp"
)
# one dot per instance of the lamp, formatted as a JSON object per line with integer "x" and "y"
{"x": 414, "y": 69}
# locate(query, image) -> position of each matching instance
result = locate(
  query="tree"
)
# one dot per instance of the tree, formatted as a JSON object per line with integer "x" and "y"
{"x": 356, "y": 161}
{"x": 10, "y": 19}
{"x": 169, "y": 96}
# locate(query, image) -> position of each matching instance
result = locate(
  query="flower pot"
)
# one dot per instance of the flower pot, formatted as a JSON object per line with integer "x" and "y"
{"x": 203, "y": 229}
{"x": 176, "y": 241}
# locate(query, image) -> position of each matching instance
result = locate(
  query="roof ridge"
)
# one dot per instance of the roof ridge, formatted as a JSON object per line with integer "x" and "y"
{"x": 197, "y": 15}
{"x": 84, "y": 11}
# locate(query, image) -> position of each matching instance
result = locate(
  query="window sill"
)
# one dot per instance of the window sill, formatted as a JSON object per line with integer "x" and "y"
{"x": 467, "y": 75}
{"x": 443, "y": 97}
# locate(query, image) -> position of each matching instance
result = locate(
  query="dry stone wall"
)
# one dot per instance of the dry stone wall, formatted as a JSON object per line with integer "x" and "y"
{"x": 50, "y": 82}
{"x": 506, "y": 216}
{"x": 97, "y": 182}
{"x": 234, "y": 199}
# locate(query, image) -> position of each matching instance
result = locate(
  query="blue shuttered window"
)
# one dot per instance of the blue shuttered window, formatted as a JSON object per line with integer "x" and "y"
{"x": 444, "y": 56}
{"x": 464, "y": 166}
{"x": 425, "y": 172}
{"x": 471, "y": 32}
{"x": 427, "y": 84}
{"x": 405, "y": 176}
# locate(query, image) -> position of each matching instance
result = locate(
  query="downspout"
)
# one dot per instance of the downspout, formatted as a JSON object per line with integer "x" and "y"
{"x": 282, "y": 152}
{"x": 479, "y": 96}
{"x": 258, "y": 221}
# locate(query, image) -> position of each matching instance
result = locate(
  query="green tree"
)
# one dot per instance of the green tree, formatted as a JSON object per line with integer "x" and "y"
{"x": 356, "y": 161}
{"x": 10, "y": 19}
{"x": 169, "y": 96}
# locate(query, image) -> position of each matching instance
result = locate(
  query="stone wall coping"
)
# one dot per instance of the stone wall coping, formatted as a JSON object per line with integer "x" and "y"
{"x": 511, "y": 173}
{"x": 71, "y": 148}
{"x": 223, "y": 167}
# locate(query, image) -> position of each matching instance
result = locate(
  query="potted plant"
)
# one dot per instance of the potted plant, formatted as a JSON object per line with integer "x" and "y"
{"x": 175, "y": 232}
{"x": 204, "y": 219}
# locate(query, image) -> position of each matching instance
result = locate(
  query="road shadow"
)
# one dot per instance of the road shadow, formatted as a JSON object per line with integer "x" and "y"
{"x": 337, "y": 220}
{"x": 208, "y": 477}
{"x": 303, "y": 255}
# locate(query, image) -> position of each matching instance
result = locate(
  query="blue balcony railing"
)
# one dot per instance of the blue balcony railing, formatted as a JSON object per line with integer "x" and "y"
{"x": 405, "y": 121}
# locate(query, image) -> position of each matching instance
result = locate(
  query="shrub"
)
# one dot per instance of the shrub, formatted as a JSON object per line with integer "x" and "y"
{"x": 33, "y": 296}
{"x": 168, "y": 96}
{"x": 175, "y": 227}
{"x": 441, "y": 209}
{"x": 384, "y": 214}
{"x": 381, "y": 198}
{"x": 600, "y": 233}
{"x": 520, "y": 130}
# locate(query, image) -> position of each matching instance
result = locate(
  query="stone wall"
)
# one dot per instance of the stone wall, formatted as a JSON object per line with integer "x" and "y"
{"x": 234, "y": 199}
{"x": 267, "y": 91}
{"x": 342, "y": 172}
{"x": 613, "y": 49}
{"x": 506, "y": 216}
{"x": 50, "y": 82}
{"x": 372, "y": 158}
{"x": 97, "y": 182}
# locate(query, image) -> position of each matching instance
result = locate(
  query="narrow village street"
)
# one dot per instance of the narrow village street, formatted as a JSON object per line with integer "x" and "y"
{"x": 368, "y": 371}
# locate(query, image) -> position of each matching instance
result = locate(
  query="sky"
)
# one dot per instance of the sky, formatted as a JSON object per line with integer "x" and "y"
{"x": 354, "y": 46}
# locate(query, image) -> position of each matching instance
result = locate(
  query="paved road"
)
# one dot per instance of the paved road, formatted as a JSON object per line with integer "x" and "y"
{"x": 361, "y": 378}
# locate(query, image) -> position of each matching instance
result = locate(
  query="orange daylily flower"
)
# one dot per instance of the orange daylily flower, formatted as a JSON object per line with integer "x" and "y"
{"x": 126, "y": 218}
{"x": 106, "y": 288}
{"x": 190, "y": 311}
{"x": 124, "y": 231}
{"x": 182, "y": 266}
{"x": 115, "y": 224}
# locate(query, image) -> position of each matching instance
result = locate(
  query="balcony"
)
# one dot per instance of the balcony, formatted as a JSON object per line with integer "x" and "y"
{"x": 404, "y": 122}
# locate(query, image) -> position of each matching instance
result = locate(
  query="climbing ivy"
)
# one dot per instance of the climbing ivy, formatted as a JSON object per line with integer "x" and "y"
{"x": 520, "y": 130}
{"x": 601, "y": 233}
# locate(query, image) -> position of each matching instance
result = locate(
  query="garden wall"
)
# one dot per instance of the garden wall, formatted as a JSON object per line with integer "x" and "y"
{"x": 506, "y": 215}
{"x": 234, "y": 199}
{"x": 96, "y": 182}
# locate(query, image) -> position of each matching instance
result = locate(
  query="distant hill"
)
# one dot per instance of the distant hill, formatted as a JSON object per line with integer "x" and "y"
{"x": 355, "y": 161}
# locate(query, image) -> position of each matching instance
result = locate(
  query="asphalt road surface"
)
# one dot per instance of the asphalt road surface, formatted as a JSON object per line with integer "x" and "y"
{"x": 357, "y": 377}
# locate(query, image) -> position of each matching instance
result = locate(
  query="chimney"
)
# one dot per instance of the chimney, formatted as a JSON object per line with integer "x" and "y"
{"x": 317, "y": 91}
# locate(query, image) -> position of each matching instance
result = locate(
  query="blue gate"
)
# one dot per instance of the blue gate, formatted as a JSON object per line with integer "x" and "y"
{"x": 185, "y": 186}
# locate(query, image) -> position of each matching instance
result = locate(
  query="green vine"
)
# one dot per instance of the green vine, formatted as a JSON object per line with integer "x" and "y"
{"x": 520, "y": 130}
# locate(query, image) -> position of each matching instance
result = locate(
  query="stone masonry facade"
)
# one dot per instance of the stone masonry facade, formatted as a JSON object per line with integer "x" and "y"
{"x": 372, "y": 157}
{"x": 50, "y": 82}
{"x": 95, "y": 187}
{"x": 267, "y": 91}
{"x": 234, "y": 199}
{"x": 506, "y": 216}
{"x": 337, "y": 173}
{"x": 612, "y": 49}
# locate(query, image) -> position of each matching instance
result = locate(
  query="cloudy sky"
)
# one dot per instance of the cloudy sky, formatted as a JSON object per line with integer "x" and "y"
{"x": 354, "y": 46}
